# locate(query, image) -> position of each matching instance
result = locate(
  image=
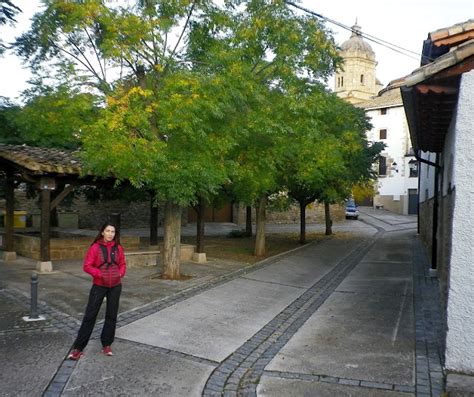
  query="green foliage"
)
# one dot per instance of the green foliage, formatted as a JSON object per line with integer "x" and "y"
{"x": 8, "y": 12}
{"x": 9, "y": 113}
{"x": 237, "y": 101}
{"x": 51, "y": 117}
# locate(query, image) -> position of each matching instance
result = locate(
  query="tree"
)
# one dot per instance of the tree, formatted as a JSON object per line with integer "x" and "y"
{"x": 354, "y": 155}
{"x": 8, "y": 11}
{"x": 153, "y": 132}
{"x": 56, "y": 116}
{"x": 278, "y": 54}
{"x": 329, "y": 152}
{"x": 9, "y": 113}
{"x": 182, "y": 120}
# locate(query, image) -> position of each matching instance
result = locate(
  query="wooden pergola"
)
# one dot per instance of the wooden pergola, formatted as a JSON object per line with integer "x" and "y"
{"x": 47, "y": 169}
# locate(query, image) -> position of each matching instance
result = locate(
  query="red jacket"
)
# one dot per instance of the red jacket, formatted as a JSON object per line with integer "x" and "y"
{"x": 105, "y": 275}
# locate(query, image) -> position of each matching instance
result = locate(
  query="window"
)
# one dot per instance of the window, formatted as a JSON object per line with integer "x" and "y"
{"x": 383, "y": 111}
{"x": 383, "y": 134}
{"x": 382, "y": 165}
{"x": 342, "y": 81}
{"x": 338, "y": 81}
{"x": 413, "y": 166}
{"x": 362, "y": 79}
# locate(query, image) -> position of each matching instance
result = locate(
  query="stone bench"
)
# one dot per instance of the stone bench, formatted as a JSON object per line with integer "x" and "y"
{"x": 141, "y": 258}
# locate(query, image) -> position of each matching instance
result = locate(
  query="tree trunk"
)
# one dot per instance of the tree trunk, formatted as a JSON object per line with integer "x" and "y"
{"x": 200, "y": 226}
{"x": 260, "y": 228}
{"x": 327, "y": 215}
{"x": 248, "y": 221}
{"x": 172, "y": 241}
{"x": 302, "y": 222}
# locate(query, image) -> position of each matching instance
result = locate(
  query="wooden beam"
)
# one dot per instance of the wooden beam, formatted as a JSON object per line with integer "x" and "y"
{"x": 61, "y": 196}
{"x": 436, "y": 88}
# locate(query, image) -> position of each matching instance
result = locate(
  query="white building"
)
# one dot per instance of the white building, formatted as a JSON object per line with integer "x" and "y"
{"x": 397, "y": 184}
{"x": 439, "y": 102}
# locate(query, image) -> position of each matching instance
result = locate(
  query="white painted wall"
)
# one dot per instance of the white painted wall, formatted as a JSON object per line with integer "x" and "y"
{"x": 427, "y": 174}
{"x": 460, "y": 308}
{"x": 397, "y": 145}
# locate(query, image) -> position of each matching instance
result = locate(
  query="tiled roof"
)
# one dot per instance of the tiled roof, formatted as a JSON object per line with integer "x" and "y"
{"x": 451, "y": 58}
{"x": 430, "y": 93}
{"x": 454, "y": 34}
{"x": 40, "y": 161}
{"x": 388, "y": 98}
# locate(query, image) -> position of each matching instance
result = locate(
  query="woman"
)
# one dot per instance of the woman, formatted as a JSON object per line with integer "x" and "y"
{"x": 105, "y": 262}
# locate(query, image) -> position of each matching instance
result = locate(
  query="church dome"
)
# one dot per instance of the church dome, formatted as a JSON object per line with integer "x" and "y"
{"x": 357, "y": 44}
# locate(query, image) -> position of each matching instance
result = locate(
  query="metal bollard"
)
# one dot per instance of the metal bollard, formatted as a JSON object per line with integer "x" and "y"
{"x": 34, "y": 296}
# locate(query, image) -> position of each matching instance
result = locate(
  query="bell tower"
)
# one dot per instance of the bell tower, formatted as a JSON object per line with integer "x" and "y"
{"x": 356, "y": 81}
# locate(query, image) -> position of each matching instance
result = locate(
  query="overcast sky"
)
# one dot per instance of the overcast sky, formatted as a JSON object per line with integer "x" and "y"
{"x": 405, "y": 23}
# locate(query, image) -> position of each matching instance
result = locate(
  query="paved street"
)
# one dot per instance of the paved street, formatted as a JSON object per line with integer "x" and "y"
{"x": 353, "y": 315}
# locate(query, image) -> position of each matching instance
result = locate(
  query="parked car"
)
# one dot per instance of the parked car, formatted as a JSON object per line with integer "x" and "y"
{"x": 351, "y": 211}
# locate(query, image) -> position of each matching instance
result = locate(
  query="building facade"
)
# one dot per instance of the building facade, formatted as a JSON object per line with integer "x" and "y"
{"x": 439, "y": 102}
{"x": 397, "y": 182}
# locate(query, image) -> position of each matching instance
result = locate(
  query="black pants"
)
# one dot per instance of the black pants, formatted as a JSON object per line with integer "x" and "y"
{"x": 96, "y": 297}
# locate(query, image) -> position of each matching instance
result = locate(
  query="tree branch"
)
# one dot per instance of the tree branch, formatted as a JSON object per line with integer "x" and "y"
{"x": 95, "y": 52}
{"x": 182, "y": 32}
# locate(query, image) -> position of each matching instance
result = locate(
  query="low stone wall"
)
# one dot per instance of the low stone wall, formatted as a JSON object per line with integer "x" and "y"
{"x": 64, "y": 247}
{"x": 187, "y": 251}
{"x": 141, "y": 258}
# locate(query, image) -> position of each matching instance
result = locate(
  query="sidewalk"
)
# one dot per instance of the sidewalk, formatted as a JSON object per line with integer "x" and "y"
{"x": 341, "y": 317}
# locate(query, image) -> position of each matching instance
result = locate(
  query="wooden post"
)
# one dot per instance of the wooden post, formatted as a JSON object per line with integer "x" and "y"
{"x": 9, "y": 254}
{"x": 45, "y": 225}
{"x": 153, "y": 223}
{"x": 46, "y": 185}
{"x": 115, "y": 219}
{"x": 248, "y": 221}
{"x": 200, "y": 226}
{"x": 303, "y": 221}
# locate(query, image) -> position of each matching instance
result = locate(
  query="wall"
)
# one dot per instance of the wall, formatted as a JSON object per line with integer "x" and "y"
{"x": 70, "y": 247}
{"x": 460, "y": 307}
{"x": 314, "y": 214}
{"x": 393, "y": 188}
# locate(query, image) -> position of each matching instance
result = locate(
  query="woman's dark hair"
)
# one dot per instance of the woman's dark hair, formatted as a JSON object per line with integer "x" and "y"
{"x": 102, "y": 228}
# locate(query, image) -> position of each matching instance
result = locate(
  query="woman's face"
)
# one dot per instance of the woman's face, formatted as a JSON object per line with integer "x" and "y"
{"x": 109, "y": 233}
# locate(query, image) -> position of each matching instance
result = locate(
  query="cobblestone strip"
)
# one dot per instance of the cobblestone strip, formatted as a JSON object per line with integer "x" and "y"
{"x": 428, "y": 347}
{"x": 341, "y": 381}
{"x": 53, "y": 317}
{"x": 60, "y": 379}
{"x": 239, "y": 374}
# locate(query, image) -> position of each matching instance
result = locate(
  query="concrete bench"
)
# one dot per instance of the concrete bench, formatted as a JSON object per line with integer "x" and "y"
{"x": 141, "y": 258}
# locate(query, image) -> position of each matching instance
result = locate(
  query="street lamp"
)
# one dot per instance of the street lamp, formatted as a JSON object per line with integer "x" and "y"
{"x": 413, "y": 165}
{"x": 394, "y": 166}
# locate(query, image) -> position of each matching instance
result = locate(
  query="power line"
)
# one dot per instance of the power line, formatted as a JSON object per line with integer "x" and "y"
{"x": 369, "y": 37}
